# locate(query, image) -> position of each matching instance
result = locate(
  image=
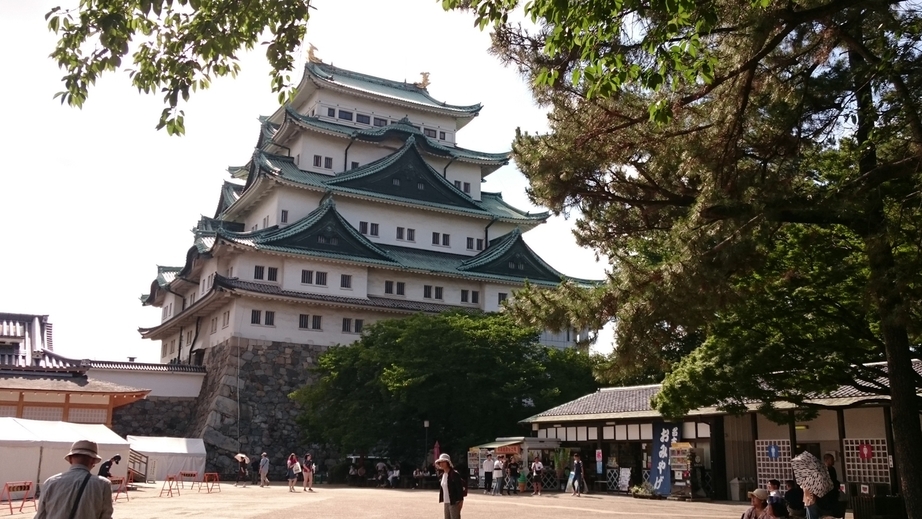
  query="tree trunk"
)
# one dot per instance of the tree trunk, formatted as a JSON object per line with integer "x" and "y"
{"x": 884, "y": 287}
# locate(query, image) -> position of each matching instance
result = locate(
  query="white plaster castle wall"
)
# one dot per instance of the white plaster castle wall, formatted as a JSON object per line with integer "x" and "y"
{"x": 298, "y": 202}
{"x": 262, "y": 214}
{"x": 160, "y": 383}
{"x": 451, "y": 294}
{"x": 326, "y": 98}
{"x": 425, "y": 222}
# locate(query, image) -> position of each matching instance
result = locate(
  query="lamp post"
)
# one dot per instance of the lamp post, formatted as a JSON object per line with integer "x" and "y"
{"x": 426, "y": 446}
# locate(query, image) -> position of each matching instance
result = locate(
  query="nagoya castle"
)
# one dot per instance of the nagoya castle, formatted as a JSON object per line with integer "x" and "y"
{"x": 356, "y": 205}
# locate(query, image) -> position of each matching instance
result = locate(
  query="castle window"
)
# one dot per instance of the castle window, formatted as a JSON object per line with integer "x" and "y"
{"x": 464, "y": 296}
{"x": 427, "y": 291}
{"x": 363, "y": 119}
{"x": 475, "y": 297}
{"x": 363, "y": 227}
{"x": 401, "y": 288}
{"x": 395, "y": 181}
{"x": 438, "y": 292}
{"x": 225, "y": 321}
{"x": 258, "y": 272}
{"x": 458, "y": 184}
{"x": 304, "y": 321}
{"x": 354, "y": 165}
{"x": 331, "y": 112}
{"x": 284, "y": 217}
{"x": 429, "y": 133}
{"x": 467, "y": 187}
{"x": 520, "y": 266}
{"x": 345, "y": 281}
{"x": 318, "y": 161}
{"x": 420, "y": 186}
{"x": 380, "y": 122}
{"x": 345, "y": 115}
{"x": 442, "y": 135}
{"x": 321, "y": 278}
{"x": 445, "y": 240}
{"x": 479, "y": 243}
{"x": 359, "y": 324}
{"x": 435, "y": 238}
{"x": 411, "y": 234}
{"x": 347, "y": 325}
{"x": 307, "y": 277}
{"x": 273, "y": 274}
{"x": 512, "y": 264}
{"x": 374, "y": 229}
{"x": 214, "y": 324}
{"x": 388, "y": 287}
{"x": 400, "y": 233}
{"x": 322, "y": 239}
{"x": 256, "y": 317}
{"x": 328, "y": 162}
{"x": 316, "y": 322}
{"x": 500, "y": 297}
{"x": 470, "y": 244}
{"x": 270, "y": 318}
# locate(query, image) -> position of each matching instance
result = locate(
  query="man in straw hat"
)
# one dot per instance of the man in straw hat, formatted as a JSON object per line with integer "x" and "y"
{"x": 451, "y": 491}
{"x": 77, "y": 493}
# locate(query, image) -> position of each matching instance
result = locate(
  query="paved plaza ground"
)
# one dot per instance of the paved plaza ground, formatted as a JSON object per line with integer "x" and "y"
{"x": 328, "y": 501}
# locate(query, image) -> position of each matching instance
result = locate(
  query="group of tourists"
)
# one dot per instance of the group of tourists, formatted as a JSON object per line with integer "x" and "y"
{"x": 504, "y": 473}
{"x": 794, "y": 502}
{"x": 303, "y": 468}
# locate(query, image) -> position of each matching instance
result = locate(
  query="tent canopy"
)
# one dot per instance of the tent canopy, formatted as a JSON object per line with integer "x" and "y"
{"x": 163, "y": 444}
{"x": 168, "y": 456}
{"x": 34, "y": 450}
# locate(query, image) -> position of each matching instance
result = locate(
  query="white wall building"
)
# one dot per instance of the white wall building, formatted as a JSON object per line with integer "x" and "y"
{"x": 355, "y": 206}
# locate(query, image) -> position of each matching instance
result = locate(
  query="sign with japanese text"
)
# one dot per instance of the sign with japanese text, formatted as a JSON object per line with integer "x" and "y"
{"x": 664, "y": 435}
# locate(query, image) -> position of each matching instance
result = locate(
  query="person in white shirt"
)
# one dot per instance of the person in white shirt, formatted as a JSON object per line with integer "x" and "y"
{"x": 536, "y": 468}
{"x": 488, "y": 473}
{"x": 498, "y": 476}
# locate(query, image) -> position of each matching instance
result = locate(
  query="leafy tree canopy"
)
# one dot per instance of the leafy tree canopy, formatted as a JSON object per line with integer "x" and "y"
{"x": 753, "y": 170}
{"x": 175, "y": 47}
{"x": 473, "y": 376}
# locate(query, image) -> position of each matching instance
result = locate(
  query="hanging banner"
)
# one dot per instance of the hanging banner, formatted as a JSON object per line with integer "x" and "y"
{"x": 664, "y": 435}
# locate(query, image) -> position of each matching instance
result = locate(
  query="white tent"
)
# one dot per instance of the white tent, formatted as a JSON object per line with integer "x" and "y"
{"x": 34, "y": 450}
{"x": 170, "y": 455}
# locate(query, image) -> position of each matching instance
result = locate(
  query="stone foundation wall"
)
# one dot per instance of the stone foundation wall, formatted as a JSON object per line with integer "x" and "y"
{"x": 154, "y": 416}
{"x": 243, "y": 405}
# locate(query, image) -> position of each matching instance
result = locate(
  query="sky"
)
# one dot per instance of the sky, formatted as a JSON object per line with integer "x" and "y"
{"x": 93, "y": 200}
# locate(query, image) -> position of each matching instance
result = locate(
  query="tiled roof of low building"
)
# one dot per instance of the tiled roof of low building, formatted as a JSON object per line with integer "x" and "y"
{"x": 70, "y": 384}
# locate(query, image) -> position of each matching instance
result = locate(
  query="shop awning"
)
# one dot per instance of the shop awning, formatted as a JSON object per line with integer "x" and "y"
{"x": 493, "y": 445}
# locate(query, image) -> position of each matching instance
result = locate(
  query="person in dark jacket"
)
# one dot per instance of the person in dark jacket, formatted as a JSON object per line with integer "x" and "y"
{"x": 794, "y": 498}
{"x": 451, "y": 490}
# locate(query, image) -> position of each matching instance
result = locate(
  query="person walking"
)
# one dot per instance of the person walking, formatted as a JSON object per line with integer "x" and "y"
{"x": 264, "y": 470}
{"x": 307, "y": 473}
{"x": 242, "y": 462}
{"x": 536, "y": 468}
{"x": 577, "y": 474}
{"x": 498, "y": 476}
{"x": 77, "y": 493}
{"x": 451, "y": 490}
{"x": 488, "y": 473}
{"x": 294, "y": 468}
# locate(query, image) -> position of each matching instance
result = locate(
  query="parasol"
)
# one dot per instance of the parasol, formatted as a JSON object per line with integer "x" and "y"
{"x": 242, "y": 457}
{"x": 811, "y": 474}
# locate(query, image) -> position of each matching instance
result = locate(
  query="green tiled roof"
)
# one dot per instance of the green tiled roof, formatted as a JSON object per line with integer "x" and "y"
{"x": 375, "y": 181}
{"x": 322, "y": 233}
{"x": 166, "y": 275}
{"x": 230, "y": 192}
{"x": 402, "y": 92}
{"x": 510, "y": 254}
{"x": 403, "y": 129}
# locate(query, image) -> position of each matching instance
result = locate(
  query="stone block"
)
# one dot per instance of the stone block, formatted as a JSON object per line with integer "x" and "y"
{"x": 213, "y": 437}
{"x": 225, "y": 405}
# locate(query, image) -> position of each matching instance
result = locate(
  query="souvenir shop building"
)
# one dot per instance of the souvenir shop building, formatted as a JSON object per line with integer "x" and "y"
{"x": 629, "y": 441}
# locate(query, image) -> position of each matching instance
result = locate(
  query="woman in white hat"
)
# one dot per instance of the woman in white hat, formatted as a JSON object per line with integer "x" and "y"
{"x": 451, "y": 492}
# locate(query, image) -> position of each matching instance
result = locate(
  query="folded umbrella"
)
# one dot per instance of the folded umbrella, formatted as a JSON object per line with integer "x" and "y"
{"x": 811, "y": 474}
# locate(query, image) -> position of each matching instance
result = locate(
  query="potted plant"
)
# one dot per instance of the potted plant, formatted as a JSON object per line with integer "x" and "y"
{"x": 644, "y": 491}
